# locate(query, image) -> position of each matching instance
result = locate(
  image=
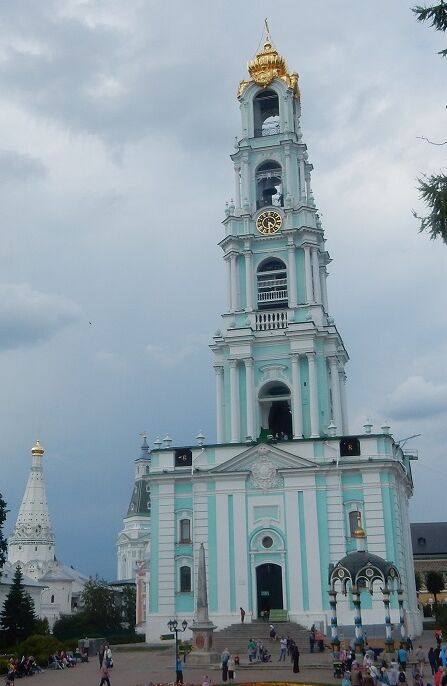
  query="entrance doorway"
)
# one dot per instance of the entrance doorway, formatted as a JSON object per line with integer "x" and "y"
{"x": 269, "y": 588}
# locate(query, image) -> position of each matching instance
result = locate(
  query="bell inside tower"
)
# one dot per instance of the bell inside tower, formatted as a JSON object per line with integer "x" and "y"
{"x": 266, "y": 113}
{"x": 269, "y": 185}
{"x": 276, "y": 416}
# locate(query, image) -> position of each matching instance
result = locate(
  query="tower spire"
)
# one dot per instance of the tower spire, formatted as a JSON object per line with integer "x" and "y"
{"x": 33, "y": 538}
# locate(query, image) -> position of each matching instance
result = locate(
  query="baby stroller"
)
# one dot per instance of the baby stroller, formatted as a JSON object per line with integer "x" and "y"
{"x": 338, "y": 669}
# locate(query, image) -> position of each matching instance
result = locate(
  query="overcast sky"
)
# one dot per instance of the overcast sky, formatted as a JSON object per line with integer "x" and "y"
{"x": 116, "y": 124}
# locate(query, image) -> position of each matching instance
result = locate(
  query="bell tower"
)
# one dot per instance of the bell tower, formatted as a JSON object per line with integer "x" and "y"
{"x": 279, "y": 359}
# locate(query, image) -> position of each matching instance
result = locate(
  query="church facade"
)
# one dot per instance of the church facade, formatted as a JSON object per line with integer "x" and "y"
{"x": 277, "y": 499}
{"x": 32, "y": 546}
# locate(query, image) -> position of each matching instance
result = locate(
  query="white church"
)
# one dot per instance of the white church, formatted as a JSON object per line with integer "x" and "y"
{"x": 56, "y": 588}
{"x": 282, "y": 498}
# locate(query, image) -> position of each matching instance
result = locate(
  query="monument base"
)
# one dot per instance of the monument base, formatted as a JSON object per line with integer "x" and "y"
{"x": 198, "y": 659}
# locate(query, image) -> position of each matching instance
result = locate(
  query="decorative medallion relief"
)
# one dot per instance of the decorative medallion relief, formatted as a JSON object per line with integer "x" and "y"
{"x": 264, "y": 474}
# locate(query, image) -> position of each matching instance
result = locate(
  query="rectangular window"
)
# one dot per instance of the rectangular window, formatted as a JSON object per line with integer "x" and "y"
{"x": 185, "y": 579}
{"x": 185, "y": 531}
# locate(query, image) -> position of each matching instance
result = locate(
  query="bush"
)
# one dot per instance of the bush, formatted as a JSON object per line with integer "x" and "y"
{"x": 40, "y": 647}
{"x": 3, "y": 666}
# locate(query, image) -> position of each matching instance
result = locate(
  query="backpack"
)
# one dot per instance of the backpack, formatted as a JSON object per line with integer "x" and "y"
{"x": 402, "y": 678}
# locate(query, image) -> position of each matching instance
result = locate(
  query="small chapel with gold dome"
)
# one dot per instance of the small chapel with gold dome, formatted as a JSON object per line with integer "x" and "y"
{"x": 280, "y": 498}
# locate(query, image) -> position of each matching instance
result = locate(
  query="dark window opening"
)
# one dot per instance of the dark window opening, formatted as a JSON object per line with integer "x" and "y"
{"x": 185, "y": 531}
{"x": 185, "y": 579}
{"x": 272, "y": 284}
{"x": 269, "y": 191}
{"x": 354, "y": 518}
{"x": 266, "y": 113}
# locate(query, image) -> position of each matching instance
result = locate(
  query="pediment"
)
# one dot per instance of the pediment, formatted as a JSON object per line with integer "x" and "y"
{"x": 263, "y": 453}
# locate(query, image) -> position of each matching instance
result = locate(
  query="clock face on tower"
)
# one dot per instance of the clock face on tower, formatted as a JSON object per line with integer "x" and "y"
{"x": 268, "y": 222}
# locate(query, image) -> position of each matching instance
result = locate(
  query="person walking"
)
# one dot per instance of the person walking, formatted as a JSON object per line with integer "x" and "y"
{"x": 108, "y": 656}
{"x": 432, "y": 660}
{"x": 295, "y": 659}
{"x": 179, "y": 669}
{"x": 101, "y": 652}
{"x": 282, "y": 649}
{"x": 231, "y": 665}
{"x": 420, "y": 660}
{"x": 105, "y": 675}
{"x": 242, "y": 611}
{"x": 402, "y": 657}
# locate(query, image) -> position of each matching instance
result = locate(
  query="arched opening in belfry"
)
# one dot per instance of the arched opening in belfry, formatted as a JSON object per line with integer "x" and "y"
{"x": 269, "y": 185}
{"x": 266, "y": 113}
{"x": 272, "y": 284}
{"x": 276, "y": 415}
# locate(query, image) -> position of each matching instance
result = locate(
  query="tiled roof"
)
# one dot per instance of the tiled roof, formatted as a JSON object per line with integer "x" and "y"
{"x": 429, "y": 539}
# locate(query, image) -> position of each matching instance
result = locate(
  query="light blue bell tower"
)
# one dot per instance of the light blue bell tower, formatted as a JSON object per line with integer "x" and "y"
{"x": 279, "y": 359}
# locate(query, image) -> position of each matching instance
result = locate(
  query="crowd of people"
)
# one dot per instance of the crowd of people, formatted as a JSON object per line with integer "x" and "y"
{"x": 408, "y": 663}
{"x": 27, "y": 666}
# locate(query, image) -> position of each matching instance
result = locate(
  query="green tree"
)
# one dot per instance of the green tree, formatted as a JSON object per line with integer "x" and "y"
{"x": 101, "y": 607}
{"x": 418, "y": 581}
{"x": 434, "y": 582}
{"x": 17, "y": 618}
{"x": 433, "y": 189}
{"x": 128, "y": 604}
{"x": 436, "y": 15}
{"x": 3, "y": 542}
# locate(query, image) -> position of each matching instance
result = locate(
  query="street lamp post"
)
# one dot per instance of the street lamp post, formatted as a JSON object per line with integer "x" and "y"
{"x": 174, "y": 629}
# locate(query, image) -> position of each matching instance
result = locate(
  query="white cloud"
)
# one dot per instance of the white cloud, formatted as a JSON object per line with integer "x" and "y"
{"x": 418, "y": 398}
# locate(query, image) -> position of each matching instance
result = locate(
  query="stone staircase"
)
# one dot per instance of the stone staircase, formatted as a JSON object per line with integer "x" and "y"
{"x": 236, "y": 637}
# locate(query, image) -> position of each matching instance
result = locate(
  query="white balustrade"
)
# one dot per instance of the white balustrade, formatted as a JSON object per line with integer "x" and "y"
{"x": 271, "y": 320}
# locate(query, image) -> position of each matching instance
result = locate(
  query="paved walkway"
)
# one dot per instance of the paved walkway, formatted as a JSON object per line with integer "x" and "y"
{"x": 139, "y": 667}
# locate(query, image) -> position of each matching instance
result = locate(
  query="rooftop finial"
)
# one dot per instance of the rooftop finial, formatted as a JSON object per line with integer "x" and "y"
{"x": 359, "y": 531}
{"x": 267, "y": 65}
{"x": 37, "y": 449}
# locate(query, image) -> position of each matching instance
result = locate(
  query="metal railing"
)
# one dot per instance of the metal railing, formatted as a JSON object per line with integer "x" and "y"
{"x": 271, "y": 283}
{"x": 271, "y": 296}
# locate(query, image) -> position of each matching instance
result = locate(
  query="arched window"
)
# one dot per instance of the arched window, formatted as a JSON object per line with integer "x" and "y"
{"x": 52, "y": 599}
{"x": 185, "y": 579}
{"x": 266, "y": 113}
{"x": 276, "y": 417}
{"x": 185, "y": 531}
{"x": 272, "y": 284}
{"x": 269, "y": 191}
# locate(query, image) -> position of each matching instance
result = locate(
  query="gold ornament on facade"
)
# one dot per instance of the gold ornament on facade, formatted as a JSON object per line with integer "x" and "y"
{"x": 266, "y": 66}
{"x": 359, "y": 531}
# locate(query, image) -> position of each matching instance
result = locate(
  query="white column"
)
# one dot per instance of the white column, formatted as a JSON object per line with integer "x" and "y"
{"x": 292, "y": 276}
{"x": 250, "y": 390}
{"x": 234, "y": 401}
{"x": 308, "y": 191}
{"x": 230, "y": 304}
{"x": 297, "y": 417}
{"x": 335, "y": 392}
{"x": 245, "y": 191}
{"x": 249, "y": 278}
{"x": 302, "y": 182}
{"x": 313, "y": 393}
{"x": 316, "y": 273}
{"x": 234, "y": 298}
{"x": 288, "y": 185}
{"x": 308, "y": 274}
{"x": 323, "y": 288}
{"x": 237, "y": 182}
{"x": 344, "y": 407}
{"x": 220, "y": 402}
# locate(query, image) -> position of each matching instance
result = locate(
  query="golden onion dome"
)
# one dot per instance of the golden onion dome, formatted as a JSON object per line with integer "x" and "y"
{"x": 359, "y": 532}
{"x": 37, "y": 449}
{"x": 267, "y": 65}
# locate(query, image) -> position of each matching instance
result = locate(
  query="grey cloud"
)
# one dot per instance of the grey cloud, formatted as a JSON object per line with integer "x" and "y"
{"x": 418, "y": 398}
{"x": 28, "y": 316}
{"x": 16, "y": 166}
